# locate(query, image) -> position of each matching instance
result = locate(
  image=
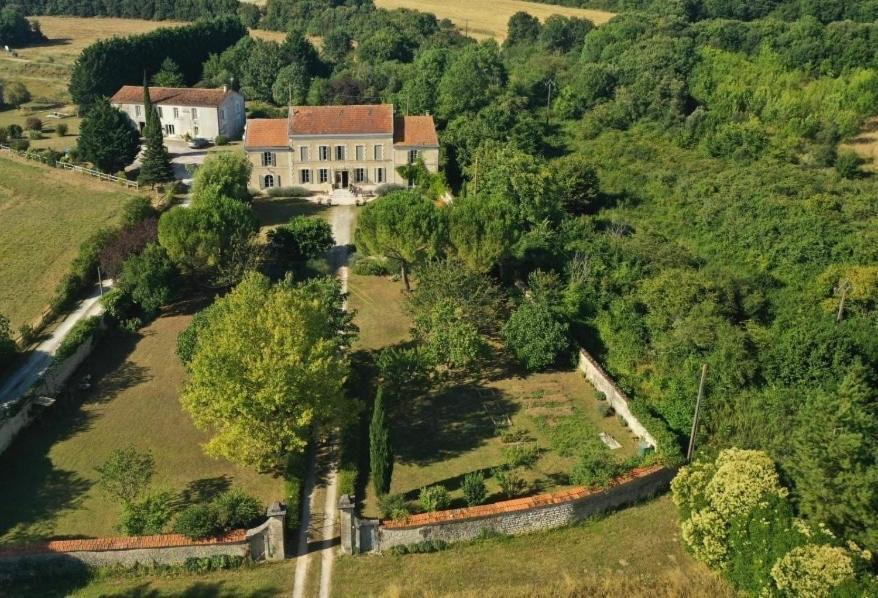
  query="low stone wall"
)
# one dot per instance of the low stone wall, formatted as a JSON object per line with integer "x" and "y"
{"x": 53, "y": 381}
{"x": 602, "y": 382}
{"x": 265, "y": 542}
{"x": 519, "y": 516}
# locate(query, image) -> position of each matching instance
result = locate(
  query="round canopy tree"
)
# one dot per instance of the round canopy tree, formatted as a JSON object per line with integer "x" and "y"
{"x": 107, "y": 137}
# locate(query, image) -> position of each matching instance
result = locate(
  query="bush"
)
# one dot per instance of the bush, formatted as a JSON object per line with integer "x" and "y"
{"x": 424, "y": 547}
{"x": 518, "y": 435}
{"x": 370, "y": 266}
{"x": 605, "y": 409}
{"x": 434, "y": 498}
{"x": 26, "y": 335}
{"x": 473, "y": 487}
{"x": 521, "y": 455}
{"x": 534, "y": 335}
{"x": 288, "y": 192}
{"x": 393, "y": 506}
{"x": 147, "y": 516}
{"x": 33, "y": 135}
{"x": 7, "y": 345}
{"x": 382, "y": 190}
{"x": 136, "y": 210}
{"x": 14, "y": 131}
{"x": 511, "y": 482}
{"x": 32, "y": 123}
{"x": 80, "y": 333}
{"x": 61, "y": 129}
{"x": 403, "y": 369}
{"x": 236, "y": 509}
{"x": 19, "y": 145}
{"x": 221, "y": 140}
{"x": 601, "y": 396}
{"x": 595, "y": 468}
{"x": 198, "y": 521}
{"x": 848, "y": 164}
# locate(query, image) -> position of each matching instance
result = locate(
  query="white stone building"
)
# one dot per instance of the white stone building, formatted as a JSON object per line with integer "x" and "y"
{"x": 183, "y": 111}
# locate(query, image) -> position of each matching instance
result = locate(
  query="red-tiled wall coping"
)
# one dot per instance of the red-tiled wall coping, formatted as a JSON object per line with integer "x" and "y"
{"x": 518, "y": 504}
{"x": 121, "y": 543}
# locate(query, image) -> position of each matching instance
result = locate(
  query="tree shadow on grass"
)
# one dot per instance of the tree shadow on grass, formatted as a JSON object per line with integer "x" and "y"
{"x": 456, "y": 420}
{"x": 198, "y": 589}
{"x": 204, "y": 490}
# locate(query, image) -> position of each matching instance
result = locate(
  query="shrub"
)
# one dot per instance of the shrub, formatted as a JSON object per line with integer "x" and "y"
{"x": 605, "y": 409}
{"x": 370, "y": 266}
{"x": 198, "y": 521}
{"x": 848, "y": 164}
{"x": 7, "y": 345}
{"x": 126, "y": 473}
{"x": 521, "y": 455}
{"x": 382, "y": 190}
{"x": 236, "y": 509}
{"x": 32, "y": 123}
{"x": 137, "y": 209}
{"x": 33, "y": 135}
{"x": 595, "y": 468}
{"x": 393, "y": 506}
{"x": 80, "y": 333}
{"x": 401, "y": 369}
{"x": 473, "y": 487}
{"x": 622, "y": 420}
{"x": 517, "y": 435}
{"x": 61, "y": 129}
{"x": 147, "y": 516}
{"x": 534, "y": 335}
{"x": 14, "y": 131}
{"x": 813, "y": 570}
{"x": 434, "y": 498}
{"x": 424, "y": 547}
{"x": 288, "y": 192}
{"x": 19, "y": 145}
{"x": 511, "y": 482}
{"x": 26, "y": 335}
{"x": 221, "y": 140}
{"x": 16, "y": 94}
{"x": 601, "y": 396}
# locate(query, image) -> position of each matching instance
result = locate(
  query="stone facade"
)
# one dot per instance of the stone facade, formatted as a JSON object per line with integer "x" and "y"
{"x": 520, "y": 516}
{"x": 602, "y": 382}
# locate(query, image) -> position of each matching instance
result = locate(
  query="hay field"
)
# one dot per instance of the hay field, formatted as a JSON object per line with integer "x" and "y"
{"x": 488, "y": 18}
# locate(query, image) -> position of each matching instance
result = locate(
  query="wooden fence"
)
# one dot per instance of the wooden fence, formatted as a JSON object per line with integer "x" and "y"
{"x": 67, "y": 166}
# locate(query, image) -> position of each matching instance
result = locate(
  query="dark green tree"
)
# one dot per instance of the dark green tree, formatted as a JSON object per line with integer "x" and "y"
{"x": 150, "y": 278}
{"x": 535, "y": 335}
{"x": 576, "y": 180}
{"x": 380, "y": 448}
{"x": 107, "y": 137}
{"x": 521, "y": 28}
{"x": 835, "y": 458}
{"x": 155, "y": 166}
{"x": 302, "y": 239}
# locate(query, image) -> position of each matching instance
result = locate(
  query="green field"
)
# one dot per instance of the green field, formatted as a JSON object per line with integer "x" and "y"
{"x": 44, "y": 215}
{"x": 49, "y": 472}
{"x": 634, "y": 552}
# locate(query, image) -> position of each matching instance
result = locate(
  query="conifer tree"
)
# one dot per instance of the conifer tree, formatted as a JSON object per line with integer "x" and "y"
{"x": 156, "y": 164}
{"x": 380, "y": 450}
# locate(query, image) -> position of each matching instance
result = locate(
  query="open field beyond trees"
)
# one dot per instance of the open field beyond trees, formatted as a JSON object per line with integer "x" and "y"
{"x": 49, "y": 473}
{"x": 489, "y": 19}
{"x": 635, "y": 552}
{"x": 44, "y": 216}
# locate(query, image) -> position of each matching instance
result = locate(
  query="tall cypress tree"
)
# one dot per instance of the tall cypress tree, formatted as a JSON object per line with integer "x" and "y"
{"x": 156, "y": 164}
{"x": 380, "y": 449}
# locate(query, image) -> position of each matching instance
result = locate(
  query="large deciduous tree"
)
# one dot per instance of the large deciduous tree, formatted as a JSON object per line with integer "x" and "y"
{"x": 403, "y": 226}
{"x": 225, "y": 174}
{"x": 483, "y": 231}
{"x": 155, "y": 167}
{"x": 108, "y": 138}
{"x": 268, "y": 366}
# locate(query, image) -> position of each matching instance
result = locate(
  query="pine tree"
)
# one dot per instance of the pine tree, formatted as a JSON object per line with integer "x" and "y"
{"x": 380, "y": 450}
{"x": 156, "y": 164}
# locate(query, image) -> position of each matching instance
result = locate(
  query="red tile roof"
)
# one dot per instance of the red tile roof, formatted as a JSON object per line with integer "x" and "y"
{"x": 180, "y": 96}
{"x": 341, "y": 120}
{"x": 415, "y": 131}
{"x": 266, "y": 132}
{"x": 518, "y": 504}
{"x": 121, "y": 543}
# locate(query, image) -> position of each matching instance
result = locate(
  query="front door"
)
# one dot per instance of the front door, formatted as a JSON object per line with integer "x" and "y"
{"x": 341, "y": 179}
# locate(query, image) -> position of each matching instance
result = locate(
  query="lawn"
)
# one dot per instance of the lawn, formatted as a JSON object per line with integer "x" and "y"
{"x": 262, "y": 581}
{"x": 634, "y": 552}
{"x": 44, "y": 216}
{"x": 48, "y": 473}
{"x": 273, "y": 212}
{"x": 460, "y": 426}
{"x": 489, "y": 19}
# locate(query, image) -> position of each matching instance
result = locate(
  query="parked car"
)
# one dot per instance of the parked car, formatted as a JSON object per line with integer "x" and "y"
{"x": 198, "y": 143}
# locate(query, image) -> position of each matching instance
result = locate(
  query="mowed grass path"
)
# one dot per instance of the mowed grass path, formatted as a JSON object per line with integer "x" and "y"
{"x": 49, "y": 472}
{"x": 44, "y": 216}
{"x": 489, "y": 18}
{"x": 634, "y": 552}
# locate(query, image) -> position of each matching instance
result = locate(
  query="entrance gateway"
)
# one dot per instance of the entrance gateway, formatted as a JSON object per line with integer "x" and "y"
{"x": 342, "y": 179}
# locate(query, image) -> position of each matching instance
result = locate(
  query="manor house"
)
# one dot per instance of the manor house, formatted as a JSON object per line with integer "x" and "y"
{"x": 322, "y": 148}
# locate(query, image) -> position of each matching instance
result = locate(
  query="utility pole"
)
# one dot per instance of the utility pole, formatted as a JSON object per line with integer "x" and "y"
{"x": 549, "y": 85}
{"x": 845, "y": 286}
{"x": 697, "y": 410}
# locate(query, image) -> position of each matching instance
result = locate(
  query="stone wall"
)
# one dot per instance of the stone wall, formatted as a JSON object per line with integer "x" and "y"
{"x": 53, "y": 381}
{"x": 519, "y": 516}
{"x": 602, "y": 382}
{"x": 265, "y": 542}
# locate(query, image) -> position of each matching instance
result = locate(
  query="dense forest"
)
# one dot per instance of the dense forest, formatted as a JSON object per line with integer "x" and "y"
{"x": 681, "y": 171}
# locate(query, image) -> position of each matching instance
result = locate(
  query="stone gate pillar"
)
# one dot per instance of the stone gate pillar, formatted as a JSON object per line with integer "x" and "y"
{"x": 348, "y": 521}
